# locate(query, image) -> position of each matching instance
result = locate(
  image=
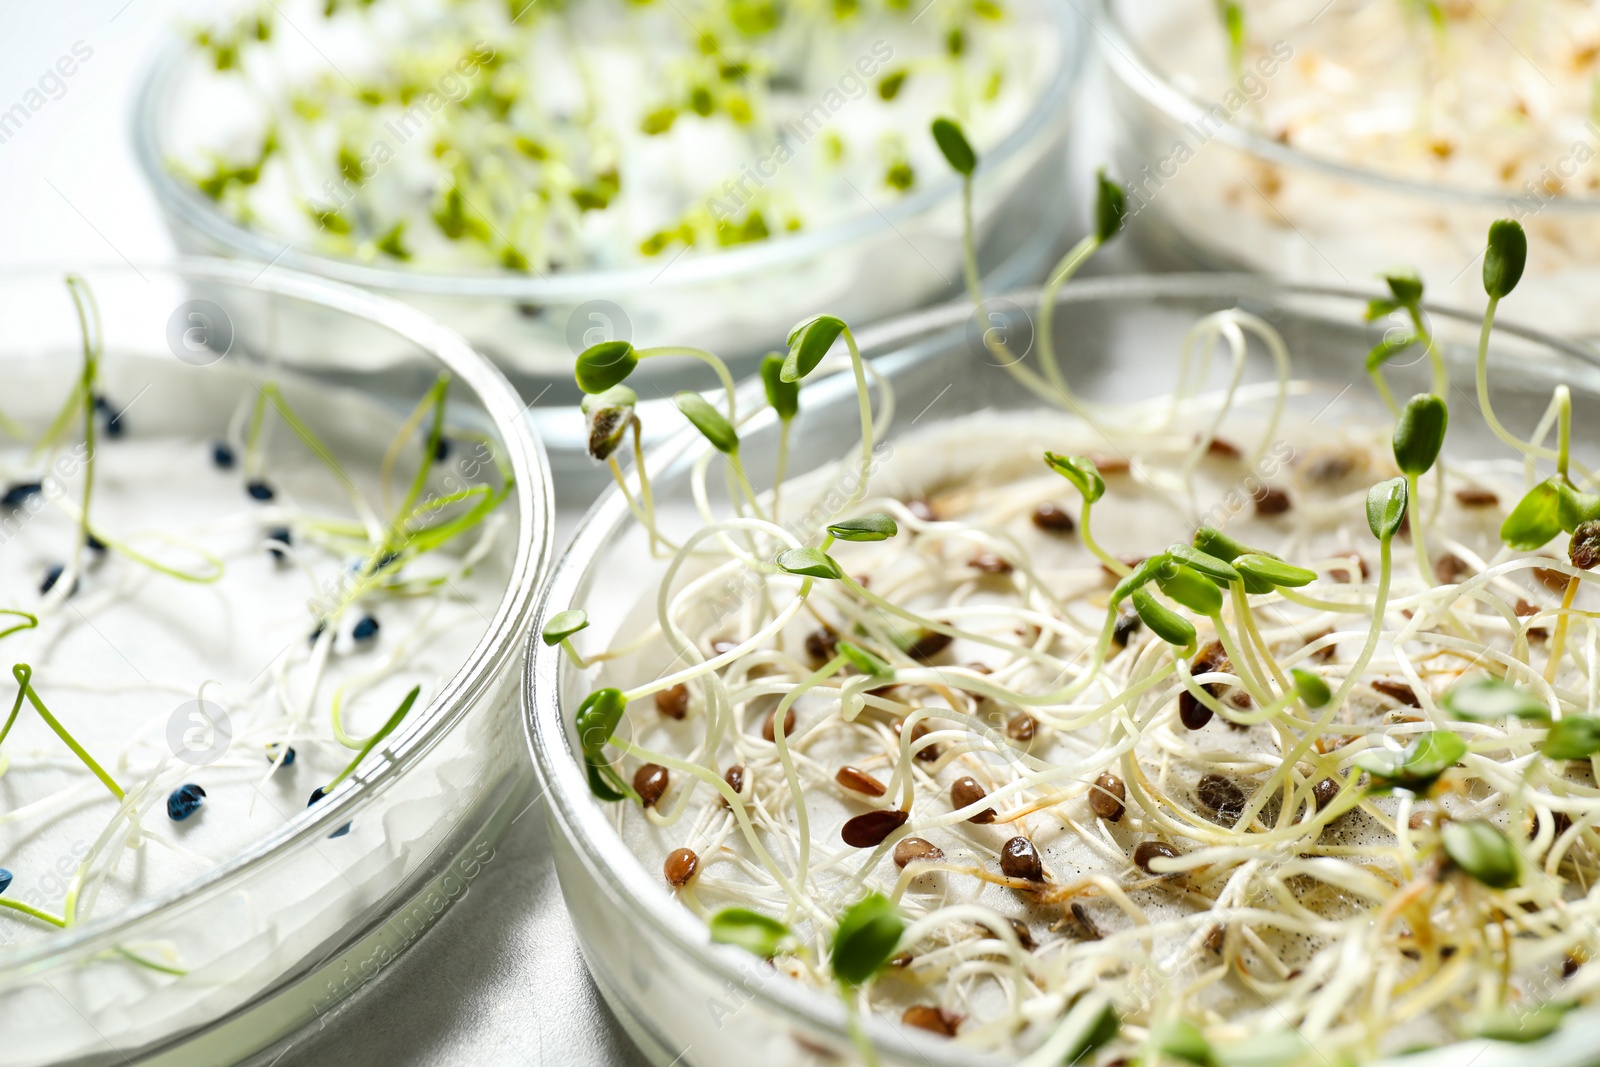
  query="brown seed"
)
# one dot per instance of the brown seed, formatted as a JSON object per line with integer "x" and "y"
{"x": 934, "y": 1020}
{"x": 965, "y": 792}
{"x": 650, "y": 781}
{"x": 722, "y": 646}
{"x": 1238, "y": 698}
{"x": 1526, "y": 607}
{"x": 1109, "y": 465}
{"x": 922, "y": 510}
{"x": 900, "y": 960}
{"x": 769, "y": 729}
{"x": 868, "y": 829}
{"x": 1398, "y": 691}
{"x": 1127, "y": 625}
{"x": 1193, "y": 714}
{"x": 1584, "y": 548}
{"x": 735, "y": 779}
{"x": 1559, "y": 819}
{"x": 673, "y": 702}
{"x": 1108, "y": 799}
{"x": 1215, "y": 937}
{"x": 681, "y": 866}
{"x": 1324, "y": 792}
{"x": 980, "y": 668}
{"x": 916, "y": 850}
{"x": 928, "y": 753}
{"x": 821, "y": 646}
{"x": 1024, "y": 935}
{"x": 1149, "y": 851}
{"x": 1021, "y": 727}
{"x": 1426, "y": 820}
{"x": 1219, "y": 794}
{"x": 1553, "y": 580}
{"x": 1054, "y": 517}
{"x": 1089, "y": 930}
{"x": 990, "y": 563}
{"x": 859, "y": 781}
{"x": 929, "y": 645}
{"x": 1450, "y": 568}
{"x": 1328, "y": 467}
{"x": 1271, "y": 501}
{"x": 1019, "y": 859}
{"x": 1222, "y": 449}
{"x": 1474, "y": 497}
{"x": 1570, "y": 965}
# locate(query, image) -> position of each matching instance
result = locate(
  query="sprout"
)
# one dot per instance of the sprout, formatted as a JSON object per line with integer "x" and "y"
{"x": 563, "y": 624}
{"x": 709, "y": 421}
{"x": 609, "y": 415}
{"x": 868, "y": 933}
{"x": 1165, "y": 623}
{"x": 1311, "y": 688}
{"x": 1486, "y": 697}
{"x": 1270, "y": 570}
{"x": 757, "y": 934}
{"x": 604, "y": 365}
{"x": 871, "y": 527}
{"x": 1535, "y": 520}
{"x": 1386, "y": 508}
{"x": 1572, "y": 737}
{"x": 953, "y": 143}
{"x": 1218, "y": 570}
{"x": 1190, "y": 588}
{"x": 864, "y": 661}
{"x": 1183, "y": 1040}
{"x": 810, "y": 562}
{"x": 1110, "y": 208}
{"x": 808, "y": 343}
{"x": 597, "y": 719}
{"x": 1081, "y": 472}
{"x": 1574, "y": 507}
{"x": 1483, "y": 852}
{"x": 783, "y": 395}
{"x": 1504, "y": 258}
{"x": 1419, "y": 434}
{"x": 1141, "y": 575}
{"x": 1418, "y": 766}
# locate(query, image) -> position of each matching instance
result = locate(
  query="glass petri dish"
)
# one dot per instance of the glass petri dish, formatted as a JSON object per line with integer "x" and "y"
{"x": 269, "y": 937}
{"x": 738, "y": 302}
{"x": 688, "y": 1001}
{"x": 1208, "y": 192}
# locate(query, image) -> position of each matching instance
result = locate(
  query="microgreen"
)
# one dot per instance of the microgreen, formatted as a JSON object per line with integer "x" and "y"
{"x": 868, "y": 933}
{"x": 1419, "y": 434}
{"x": 1505, "y": 258}
{"x": 597, "y": 719}
{"x": 760, "y": 935}
{"x": 1482, "y": 851}
{"x": 864, "y": 661}
{"x": 875, "y": 526}
{"x": 1190, "y": 588}
{"x": 1417, "y": 767}
{"x": 953, "y": 144}
{"x": 607, "y": 364}
{"x": 1386, "y": 508}
{"x": 782, "y": 395}
{"x": 1572, "y": 737}
{"x": 808, "y": 343}
{"x": 1270, "y": 570}
{"x": 1110, "y": 208}
{"x": 1165, "y": 623}
{"x": 1535, "y": 520}
{"x": 1218, "y": 570}
{"x": 1311, "y": 688}
{"x": 1183, "y": 1040}
{"x": 1082, "y": 472}
{"x": 563, "y": 624}
{"x": 1485, "y": 697}
{"x": 1522, "y": 1025}
{"x": 810, "y": 562}
{"x": 709, "y": 421}
{"x": 23, "y": 673}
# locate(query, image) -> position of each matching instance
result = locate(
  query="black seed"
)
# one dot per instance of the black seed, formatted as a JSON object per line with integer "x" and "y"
{"x": 52, "y": 576}
{"x": 821, "y": 646}
{"x": 316, "y": 794}
{"x": 366, "y": 629}
{"x": 1127, "y": 625}
{"x": 441, "y": 451}
{"x": 94, "y": 544}
{"x": 222, "y": 455}
{"x": 278, "y": 539}
{"x": 929, "y": 645}
{"x": 259, "y": 490}
{"x": 288, "y": 754}
{"x": 18, "y": 494}
{"x": 184, "y": 801}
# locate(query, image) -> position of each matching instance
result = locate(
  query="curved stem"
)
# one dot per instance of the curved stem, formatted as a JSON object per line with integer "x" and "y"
{"x": 1064, "y": 270}
{"x": 1115, "y": 565}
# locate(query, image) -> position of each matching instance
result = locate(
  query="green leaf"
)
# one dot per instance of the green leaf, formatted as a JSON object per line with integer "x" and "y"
{"x": 1165, "y": 623}
{"x": 864, "y": 661}
{"x": 757, "y": 934}
{"x": 1406, "y": 287}
{"x": 1110, "y": 208}
{"x": 708, "y": 420}
{"x": 783, "y": 396}
{"x": 1572, "y": 737}
{"x": 604, "y": 365}
{"x": 1183, "y": 1040}
{"x": 1504, "y": 258}
{"x": 1273, "y": 571}
{"x": 1377, "y": 309}
{"x": 1102, "y": 1029}
{"x": 1419, "y": 434}
{"x": 1418, "y": 766}
{"x": 1524, "y": 1025}
{"x": 1141, "y": 575}
{"x": 808, "y": 343}
{"x": 875, "y": 526}
{"x": 1386, "y": 508}
{"x": 1081, "y": 472}
{"x": 1575, "y": 507}
{"x": 811, "y": 562}
{"x": 1387, "y": 349}
{"x": 1218, "y": 570}
{"x": 1281, "y": 1048}
{"x": 563, "y": 624}
{"x": 1483, "y": 852}
{"x": 1312, "y": 689}
{"x": 1214, "y": 542}
{"x": 1487, "y": 697}
{"x": 1535, "y": 520}
{"x": 598, "y": 784}
{"x": 1190, "y": 588}
{"x": 868, "y": 933}
{"x": 597, "y": 718}
{"x": 953, "y": 143}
